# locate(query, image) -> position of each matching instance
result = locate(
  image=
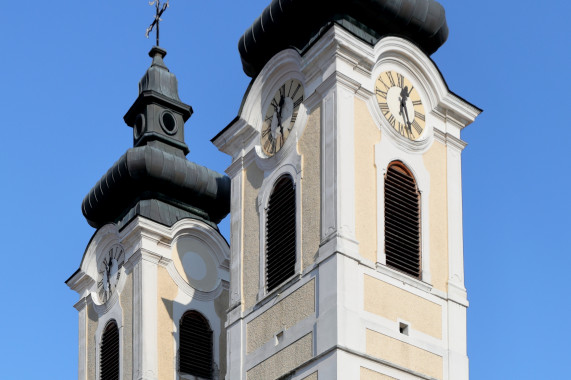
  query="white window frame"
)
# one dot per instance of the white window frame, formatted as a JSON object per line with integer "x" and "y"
{"x": 291, "y": 167}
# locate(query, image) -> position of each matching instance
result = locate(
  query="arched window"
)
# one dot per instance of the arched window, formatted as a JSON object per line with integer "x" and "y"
{"x": 195, "y": 347}
{"x": 280, "y": 233}
{"x": 402, "y": 220}
{"x": 109, "y": 355}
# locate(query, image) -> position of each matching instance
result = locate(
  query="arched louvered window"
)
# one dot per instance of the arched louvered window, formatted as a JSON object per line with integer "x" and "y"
{"x": 109, "y": 355}
{"x": 195, "y": 347}
{"x": 280, "y": 233}
{"x": 402, "y": 220}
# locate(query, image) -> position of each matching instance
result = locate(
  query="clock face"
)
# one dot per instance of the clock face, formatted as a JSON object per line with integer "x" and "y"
{"x": 109, "y": 272}
{"x": 280, "y": 116}
{"x": 400, "y": 104}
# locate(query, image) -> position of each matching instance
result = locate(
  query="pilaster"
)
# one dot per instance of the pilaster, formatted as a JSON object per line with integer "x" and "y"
{"x": 81, "y": 307}
{"x": 145, "y": 361}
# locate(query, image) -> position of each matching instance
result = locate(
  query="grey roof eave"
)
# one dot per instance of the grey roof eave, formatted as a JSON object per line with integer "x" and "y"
{"x": 147, "y": 173}
{"x": 293, "y": 23}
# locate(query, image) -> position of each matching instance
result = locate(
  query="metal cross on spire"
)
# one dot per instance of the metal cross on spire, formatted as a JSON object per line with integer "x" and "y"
{"x": 157, "y": 20}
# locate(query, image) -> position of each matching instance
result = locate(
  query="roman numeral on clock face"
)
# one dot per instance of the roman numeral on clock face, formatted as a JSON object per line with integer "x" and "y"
{"x": 392, "y": 120}
{"x": 298, "y": 102}
{"x": 383, "y": 83}
{"x": 296, "y": 90}
{"x": 418, "y": 115}
{"x": 381, "y": 93}
{"x": 384, "y": 107}
{"x": 400, "y": 79}
{"x": 417, "y": 127}
{"x": 391, "y": 79}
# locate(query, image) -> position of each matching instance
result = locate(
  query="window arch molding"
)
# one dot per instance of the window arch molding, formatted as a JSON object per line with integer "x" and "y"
{"x": 115, "y": 313}
{"x": 385, "y": 154}
{"x": 197, "y": 328}
{"x": 184, "y": 304}
{"x": 102, "y": 326}
{"x": 293, "y": 170}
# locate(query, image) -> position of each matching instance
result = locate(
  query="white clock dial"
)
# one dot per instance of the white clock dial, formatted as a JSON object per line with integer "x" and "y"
{"x": 280, "y": 116}
{"x": 400, "y": 104}
{"x": 109, "y": 272}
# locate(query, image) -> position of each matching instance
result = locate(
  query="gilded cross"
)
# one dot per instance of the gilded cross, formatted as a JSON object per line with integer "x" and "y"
{"x": 157, "y": 20}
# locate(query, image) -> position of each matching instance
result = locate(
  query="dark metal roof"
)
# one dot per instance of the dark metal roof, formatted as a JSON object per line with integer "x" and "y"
{"x": 295, "y": 24}
{"x": 154, "y": 179}
{"x": 161, "y": 186}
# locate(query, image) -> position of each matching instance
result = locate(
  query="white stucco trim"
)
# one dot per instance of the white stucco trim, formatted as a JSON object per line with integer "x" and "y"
{"x": 81, "y": 307}
{"x": 291, "y": 167}
{"x": 115, "y": 313}
{"x": 385, "y": 153}
{"x": 183, "y": 303}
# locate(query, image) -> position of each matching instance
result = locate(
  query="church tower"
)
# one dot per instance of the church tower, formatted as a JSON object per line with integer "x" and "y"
{"x": 154, "y": 279}
{"x": 346, "y": 198}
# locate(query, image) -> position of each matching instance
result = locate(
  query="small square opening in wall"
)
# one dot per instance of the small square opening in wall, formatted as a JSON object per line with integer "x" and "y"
{"x": 403, "y": 328}
{"x": 279, "y": 337}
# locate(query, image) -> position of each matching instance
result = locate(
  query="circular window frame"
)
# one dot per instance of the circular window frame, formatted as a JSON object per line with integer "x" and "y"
{"x": 168, "y": 131}
{"x": 139, "y": 129}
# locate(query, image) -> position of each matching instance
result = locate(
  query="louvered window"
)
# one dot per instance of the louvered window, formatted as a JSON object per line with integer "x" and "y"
{"x": 195, "y": 349}
{"x": 280, "y": 233}
{"x": 109, "y": 356}
{"x": 402, "y": 220}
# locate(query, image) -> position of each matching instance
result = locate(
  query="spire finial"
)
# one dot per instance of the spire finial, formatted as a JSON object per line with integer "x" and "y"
{"x": 158, "y": 14}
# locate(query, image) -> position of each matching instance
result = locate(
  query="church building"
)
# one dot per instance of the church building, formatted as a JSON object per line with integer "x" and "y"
{"x": 345, "y": 258}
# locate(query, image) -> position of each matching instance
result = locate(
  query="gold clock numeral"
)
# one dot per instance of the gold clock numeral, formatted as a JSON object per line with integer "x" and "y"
{"x": 381, "y": 93}
{"x": 392, "y": 120}
{"x": 391, "y": 79}
{"x": 296, "y": 90}
{"x": 400, "y": 80}
{"x": 417, "y": 127}
{"x": 298, "y": 102}
{"x": 384, "y": 107}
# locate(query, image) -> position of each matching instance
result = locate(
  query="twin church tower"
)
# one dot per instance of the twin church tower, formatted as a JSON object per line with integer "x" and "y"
{"x": 345, "y": 258}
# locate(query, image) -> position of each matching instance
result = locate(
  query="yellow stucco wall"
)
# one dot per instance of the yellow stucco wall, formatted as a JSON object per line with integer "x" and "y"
{"x": 435, "y": 163}
{"x": 392, "y": 303}
{"x": 251, "y": 224}
{"x": 367, "y": 374}
{"x": 284, "y": 361}
{"x": 403, "y": 354}
{"x": 283, "y": 315}
{"x": 126, "y": 301}
{"x": 310, "y": 149}
{"x": 367, "y": 134}
{"x": 166, "y": 293}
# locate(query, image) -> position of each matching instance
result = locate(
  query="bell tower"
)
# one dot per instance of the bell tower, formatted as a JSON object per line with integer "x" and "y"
{"x": 153, "y": 282}
{"x": 346, "y": 202}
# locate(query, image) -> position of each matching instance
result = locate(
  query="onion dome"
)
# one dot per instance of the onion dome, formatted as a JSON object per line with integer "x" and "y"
{"x": 297, "y": 23}
{"x": 154, "y": 179}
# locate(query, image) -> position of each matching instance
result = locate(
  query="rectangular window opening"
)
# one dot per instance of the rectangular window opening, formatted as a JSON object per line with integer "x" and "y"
{"x": 403, "y": 328}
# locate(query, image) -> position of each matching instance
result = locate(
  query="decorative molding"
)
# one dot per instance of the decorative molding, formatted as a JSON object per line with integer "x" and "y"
{"x": 291, "y": 165}
{"x": 115, "y": 312}
{"x": 405, "y": 279}
{"x": 385, "y": 153}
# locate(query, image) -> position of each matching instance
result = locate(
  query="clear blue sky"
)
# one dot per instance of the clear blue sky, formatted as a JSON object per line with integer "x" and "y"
{"x": 69, "y": 72}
